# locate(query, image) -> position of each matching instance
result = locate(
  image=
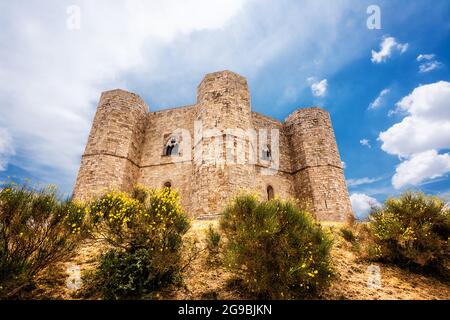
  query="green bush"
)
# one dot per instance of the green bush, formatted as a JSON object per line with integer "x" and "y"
{"x": 133, "y": 275}
{"x": 145, "y": 235}
{"x": 278, "y": 250}
{"x": 213, "y": 240}
{"x": 37, "y": 229}
{"x": 348, "y": 234}
{"x": 412, "y": 230}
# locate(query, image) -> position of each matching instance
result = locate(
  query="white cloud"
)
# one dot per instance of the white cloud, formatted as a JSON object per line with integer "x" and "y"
{"x": 424, "y": 57}
{"x": 365, "y": 142}
{"x": 319, "y": 89}
{"x": 427, "y": 124}
{"x": 362, "y": 204}
{"x": 429, "y": 63}
{"x": 52, "y": 77}
{"x": 344, "y": 165}
{"x": 6, "y": 148}
{"x": 387, "y": 47}
{"x": 420, "y": 135}
{"x": 361, "y": 181}
{"x": 421, "y": 167}
{"x": 430, "y": 66}
{"x": 378, "y": 101}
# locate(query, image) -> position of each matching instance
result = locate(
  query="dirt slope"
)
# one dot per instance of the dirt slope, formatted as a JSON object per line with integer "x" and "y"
{"x": 205, "y": 278}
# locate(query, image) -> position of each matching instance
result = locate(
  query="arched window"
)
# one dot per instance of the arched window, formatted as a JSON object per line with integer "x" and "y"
{"x": 270, "y": 193}
{"x": 266, "y": 153}
{"x": 171, "y": 147}
{"x": 167, "y": 184}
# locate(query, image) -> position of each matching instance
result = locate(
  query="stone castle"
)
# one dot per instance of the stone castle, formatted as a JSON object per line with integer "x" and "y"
{"x": 210, "y": 150}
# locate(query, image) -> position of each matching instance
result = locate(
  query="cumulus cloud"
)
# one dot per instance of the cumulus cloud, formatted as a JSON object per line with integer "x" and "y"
{"x": 52, "y": 77}
{"x": 319, "y": 88}
{"x": 427, "y": 124}
{"x": 387, "y": 47}
{"x": 379, "y": 100}
{"x": 362, "y": 204}
{"x": 420, "y": 135}
{"x": 421, "y": 167}
{"x": 6, "y": 148}
{"x": 428, "y": 63}
{"x": 365, "y": 142}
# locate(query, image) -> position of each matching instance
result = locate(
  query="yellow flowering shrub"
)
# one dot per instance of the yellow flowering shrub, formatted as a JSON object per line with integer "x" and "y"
{"x": 145, "y": 231}
{"x": 412, "y": 230}
{"x": 277, "y": 249}
{"x": 37, "y": 229}
{"x": 112, "y": 216}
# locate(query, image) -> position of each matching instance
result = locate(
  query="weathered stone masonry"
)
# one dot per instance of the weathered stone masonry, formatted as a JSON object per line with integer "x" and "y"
{"x": 128, "y": 145}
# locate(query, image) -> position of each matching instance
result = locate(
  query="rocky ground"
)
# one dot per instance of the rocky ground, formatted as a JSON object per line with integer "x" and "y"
{"x": 206, "y": 278}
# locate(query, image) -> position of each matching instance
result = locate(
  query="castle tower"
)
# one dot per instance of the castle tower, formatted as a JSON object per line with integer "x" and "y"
{"x": 316, "y": 164}
{"x": 112, "y": 155}
{"x": 128, "y": 144}
{"x": 221, "y": 144}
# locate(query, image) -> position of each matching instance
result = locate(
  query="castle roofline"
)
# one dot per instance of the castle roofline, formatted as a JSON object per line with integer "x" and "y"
{"x": 118, "y": 90}
{"x": 267, "y": 117}
{"x": 131, "y": 96}
{"x": 219, "y": 74}
{"x": 121, "y": 91}
{"x": 216, "y": 74}
{"x": 226, "y": 71}
{"x": 167, "y": 109}
{"x": 298, "y": 111}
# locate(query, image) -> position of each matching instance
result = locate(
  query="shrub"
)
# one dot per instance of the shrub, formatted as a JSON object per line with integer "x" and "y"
{"x": 412, "y": 230}
{"x": 146, "y": 237}
{"x": 278, "y": 250}
{"x": 132, "y": 275}
{"x": 213, "y": 240}
{"x": 37, "y": 229}
{"x": 348, "y": 234}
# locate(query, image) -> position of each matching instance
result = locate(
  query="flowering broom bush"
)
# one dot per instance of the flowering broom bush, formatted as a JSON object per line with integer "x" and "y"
{"x": 37, "y": 229}
{"x": 278, "y": 250}
{"x": 412, "y": 230}
{"x": 145, "y": 233}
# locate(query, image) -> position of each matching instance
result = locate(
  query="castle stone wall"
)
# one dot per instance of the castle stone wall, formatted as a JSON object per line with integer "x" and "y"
{"x": 157, "y": 168}
{"x": 220, "y": 147}
{"x": 113, "y": 151}
{"x": 316, "y": 166}
{"x": 223, "y": 102}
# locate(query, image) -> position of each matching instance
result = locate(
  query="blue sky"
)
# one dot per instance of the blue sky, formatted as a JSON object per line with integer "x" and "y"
{"x": 293, "y": 53}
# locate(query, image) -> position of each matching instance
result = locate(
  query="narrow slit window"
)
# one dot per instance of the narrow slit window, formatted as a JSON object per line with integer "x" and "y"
{"x": 270, "y": 193}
